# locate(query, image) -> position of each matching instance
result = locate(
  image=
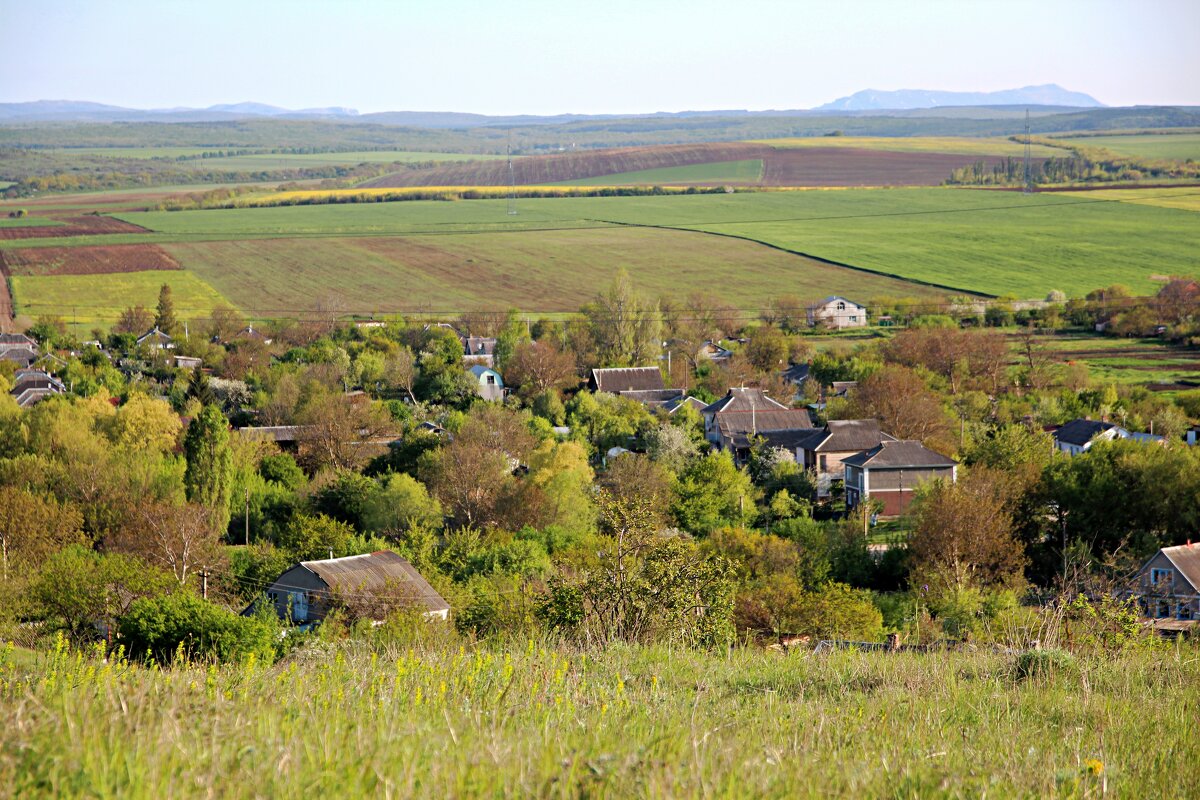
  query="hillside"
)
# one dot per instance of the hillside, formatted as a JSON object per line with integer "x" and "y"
{"x": 1047, "y": 95}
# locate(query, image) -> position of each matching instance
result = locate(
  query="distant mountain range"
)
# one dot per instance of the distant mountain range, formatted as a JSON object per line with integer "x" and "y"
{"x": 1050, "y": 94}
{"x": 1040, "y": 99}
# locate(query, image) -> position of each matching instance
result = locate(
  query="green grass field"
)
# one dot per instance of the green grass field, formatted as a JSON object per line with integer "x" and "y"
{"x": 532, "y": 720}
{"x": 99, "y": 299}
{"x": 745, "y": 171}
{"x": 1112, "y": 359}
{"x": 1167, "y": 146}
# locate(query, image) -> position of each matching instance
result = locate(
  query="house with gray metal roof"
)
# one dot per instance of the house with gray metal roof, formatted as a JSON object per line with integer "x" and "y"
{"x": 1167, "y": 587}
{"x": 626, "y": 379}
{"x": 822, "y": 451}
{"x": 381, "y": 581}
{"x": 836, "y": 311}
{"x": 743, "y": 414}
{"x": 891, "y": 471}
{"x": 1078, "y": 435}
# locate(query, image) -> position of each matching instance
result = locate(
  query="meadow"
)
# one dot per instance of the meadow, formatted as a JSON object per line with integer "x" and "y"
{"x": 1167, "y": 146}
{"x": 433, "y": 718}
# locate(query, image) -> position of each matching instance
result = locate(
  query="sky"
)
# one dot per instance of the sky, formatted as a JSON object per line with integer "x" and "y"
{"x": 598, "y": 57}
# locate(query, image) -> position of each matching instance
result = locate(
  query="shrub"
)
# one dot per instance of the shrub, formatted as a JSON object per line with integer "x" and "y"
{"x": 161, "y": 627}
{"x": 1044, "y": 664}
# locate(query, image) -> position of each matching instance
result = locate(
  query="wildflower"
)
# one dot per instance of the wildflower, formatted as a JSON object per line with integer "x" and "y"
{"x": 1094, "y": 766}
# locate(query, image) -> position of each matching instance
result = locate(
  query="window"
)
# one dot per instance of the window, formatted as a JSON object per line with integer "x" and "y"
{"x": 1164, "y": 609}
{"x": 491, "y": 379}
{"x": 853, "y": 318}
{"x": 841, "y": 306}
{"x": 1185, "y": 610}
{"x": 823, "y": 462}
{"x": 1161, "y": 577}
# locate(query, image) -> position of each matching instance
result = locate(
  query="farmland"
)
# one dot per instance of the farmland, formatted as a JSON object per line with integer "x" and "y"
{"x": 268, "y": 161}
{"x": 545, "y": 719}
{"x": 744, "y": 171}
{"x": 1119, "y": 360}
{"x": 85, "y": 260}
{"x": 958, "y": 145}
{"x": 550, "y": 271}
{"x": 784, "y": 166}
{"x": 99, "y": 299}
{"x": 1186, "y": 199}
{"x": 1170, "y": 146}
{"x": 556, "y": 251}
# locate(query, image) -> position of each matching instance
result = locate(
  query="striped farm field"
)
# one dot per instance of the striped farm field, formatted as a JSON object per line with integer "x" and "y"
{"x": 1183, "y": 198}
{"x": 554, "y": 270}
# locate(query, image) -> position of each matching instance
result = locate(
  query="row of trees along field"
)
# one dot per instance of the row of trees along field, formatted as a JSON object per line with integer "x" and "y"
{"x": 129, "y": 494}
{"x": 1082, "y": 165}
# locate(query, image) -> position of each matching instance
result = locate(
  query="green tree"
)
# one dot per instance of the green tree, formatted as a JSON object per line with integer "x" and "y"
{"x": 209, "y": 473}
{"x": 78, "y": 587}
{"x": 713, "y": 492}
{"x": 164, "y": 317}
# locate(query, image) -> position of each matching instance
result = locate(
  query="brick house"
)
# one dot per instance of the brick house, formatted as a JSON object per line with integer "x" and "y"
{"x": 891, "y": 471}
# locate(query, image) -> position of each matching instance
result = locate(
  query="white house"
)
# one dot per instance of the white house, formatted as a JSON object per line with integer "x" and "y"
{"x": 837, "y": 312}
{"x": 1078, "y": 435}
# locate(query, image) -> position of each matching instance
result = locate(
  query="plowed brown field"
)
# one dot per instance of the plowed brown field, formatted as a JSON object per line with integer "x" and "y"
{"x": 90, "y": 260}
{"x": 815, "y": 166}
{"x": 82, "y": 225}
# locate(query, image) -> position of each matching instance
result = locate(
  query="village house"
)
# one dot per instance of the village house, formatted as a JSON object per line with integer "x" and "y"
{"x": 891, "y": 471}
{"x": 733, "y": 422}
{"x": 489, "y": 384}
{"x": 626, "y": 379}
{"x": 31, "y": 386}
{"x": 837, "y": 312}
{"x": 248, "y": 333}
{"x": 823, "y": 450}
{"x": 154, "y": 339}
{"x": 18, "y": 348}
{"x": 382, "y": 580}
{"x": 715, "y": 352}
{"x": 1167, "y": 588}
{"x": 188, "y": 362}
{"x": 479, "y": 350}
{"x": 1078, "y": 435}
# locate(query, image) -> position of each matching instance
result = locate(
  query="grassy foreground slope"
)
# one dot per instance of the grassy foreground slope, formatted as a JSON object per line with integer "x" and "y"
{"x": 440, "y": 721}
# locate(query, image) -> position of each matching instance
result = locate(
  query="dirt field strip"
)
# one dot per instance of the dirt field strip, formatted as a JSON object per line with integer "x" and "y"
{"x": 80, "y": 225}
{"x": 88, "y": 260}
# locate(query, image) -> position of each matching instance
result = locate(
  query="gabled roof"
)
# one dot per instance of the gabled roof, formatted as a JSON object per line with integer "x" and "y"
{"x": 479, "y": 346}
{"x": 479, "y": 370}
{"x": 899, "y": 455}
{"x": 154, "y": 333}
{"x": 742, "y": 399}
{"x": 19, "y": 339}
{"x": 1081, "y": 431}
{"x": 848, "y": 436}
{"x": 374, "y": 572}
{"x": 1186, "y": 559}
{"x": 679, "y": 402}
{"x": 627, "y": 379}
{"x": 19, "y": 354}
{"x": 833, "y": 297}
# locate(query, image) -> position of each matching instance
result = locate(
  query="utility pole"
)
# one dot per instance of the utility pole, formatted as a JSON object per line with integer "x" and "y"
{"x": 247, "y": 517}
{"x": 1028, "y": 168}
{"x": 204, "y": 583}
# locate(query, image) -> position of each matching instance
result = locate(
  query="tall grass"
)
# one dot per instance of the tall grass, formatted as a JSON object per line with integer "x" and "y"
{"x": 437, "y": 717}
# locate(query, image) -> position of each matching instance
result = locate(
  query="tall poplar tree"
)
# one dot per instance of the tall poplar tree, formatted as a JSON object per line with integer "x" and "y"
{"x": 209, "y": 472}
{"x": 165, "y": 319}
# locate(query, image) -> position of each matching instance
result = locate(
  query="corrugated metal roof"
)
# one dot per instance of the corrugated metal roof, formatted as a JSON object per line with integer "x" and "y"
{"x": 743, "y": 399}
{"x": 627, "y": 379}
{"x": 376, "y": 571}
{"x": 1186, "y": 558}
{"x": 899, "y": 454}
{"x": 850, "y": 436}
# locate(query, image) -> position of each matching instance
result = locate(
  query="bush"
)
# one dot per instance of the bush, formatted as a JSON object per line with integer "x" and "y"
{"x": 1044, "y": 664}
{"x": 183, "y": 624}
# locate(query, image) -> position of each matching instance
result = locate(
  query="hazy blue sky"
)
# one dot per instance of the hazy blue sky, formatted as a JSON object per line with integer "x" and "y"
{"x": 596, "y": 57}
